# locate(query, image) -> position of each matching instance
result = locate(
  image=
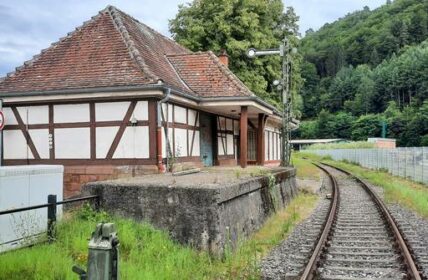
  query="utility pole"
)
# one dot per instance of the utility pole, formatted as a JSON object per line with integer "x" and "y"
{"x": 284, "y": 50}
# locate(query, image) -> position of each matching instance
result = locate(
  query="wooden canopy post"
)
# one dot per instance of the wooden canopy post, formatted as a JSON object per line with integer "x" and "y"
{"x": 243, "y": 136}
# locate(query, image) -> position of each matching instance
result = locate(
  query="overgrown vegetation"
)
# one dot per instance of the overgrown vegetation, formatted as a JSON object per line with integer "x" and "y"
{"x": 147, "y": 253}
{"x": 305, "y": 169}
{"x": 365, "y": 69}
{"x": 407, "y": 193}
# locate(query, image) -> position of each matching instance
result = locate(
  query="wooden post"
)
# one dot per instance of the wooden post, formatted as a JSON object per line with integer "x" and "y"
{"x": 261, "y": 140}
{"x": 51, "y": 217}
{"x": 243, "y": 136}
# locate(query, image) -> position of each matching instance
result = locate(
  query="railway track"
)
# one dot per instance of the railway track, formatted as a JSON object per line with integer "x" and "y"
{"x": 360, "y": 239}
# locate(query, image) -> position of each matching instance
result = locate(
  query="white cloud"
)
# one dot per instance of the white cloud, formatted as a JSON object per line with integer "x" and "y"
{"x": 26, "y": 27}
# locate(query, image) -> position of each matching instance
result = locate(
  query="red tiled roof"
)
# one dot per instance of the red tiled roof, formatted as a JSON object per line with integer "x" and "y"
{"x": 114, "y": 49}
{"x": 207, "y": 76}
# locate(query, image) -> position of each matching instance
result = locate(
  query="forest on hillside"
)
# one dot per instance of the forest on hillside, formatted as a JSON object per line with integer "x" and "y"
{"x": 353, "y": 76}
{"x": 365, "y": 70}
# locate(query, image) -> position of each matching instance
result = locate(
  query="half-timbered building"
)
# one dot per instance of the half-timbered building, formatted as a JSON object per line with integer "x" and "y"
{"x": 106, "y": 100}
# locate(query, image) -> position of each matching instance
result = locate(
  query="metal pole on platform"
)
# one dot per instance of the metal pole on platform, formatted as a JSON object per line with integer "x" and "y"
{"x": 284, "y": 50}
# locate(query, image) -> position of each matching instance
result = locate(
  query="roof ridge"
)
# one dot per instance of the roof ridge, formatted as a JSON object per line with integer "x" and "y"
{"x": 37, "y": 56}
{"x": 229, "y": 74}
{"x": 148, "y": 27}
{"x": 130, "y": 44}
{"x": 178, "y": 75}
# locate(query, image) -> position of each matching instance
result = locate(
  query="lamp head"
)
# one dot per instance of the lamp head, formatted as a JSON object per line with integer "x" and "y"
{"x": 251, "y": 53}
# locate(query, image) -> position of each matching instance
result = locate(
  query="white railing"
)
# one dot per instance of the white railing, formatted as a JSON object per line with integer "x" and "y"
{"x": 411, "y": 163}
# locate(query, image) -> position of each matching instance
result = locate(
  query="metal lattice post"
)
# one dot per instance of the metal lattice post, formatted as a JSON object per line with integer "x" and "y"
{"x": 286, "y": 101}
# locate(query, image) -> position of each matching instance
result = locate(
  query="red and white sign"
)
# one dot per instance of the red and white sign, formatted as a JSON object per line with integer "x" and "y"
{"x": 1, "y": 120}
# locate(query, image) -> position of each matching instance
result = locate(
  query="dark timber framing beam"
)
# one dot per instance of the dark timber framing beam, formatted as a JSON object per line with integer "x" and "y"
{"x": 27, "y": 136}
{"x": 243, "y": 136}
{"x": 121, "y": 130}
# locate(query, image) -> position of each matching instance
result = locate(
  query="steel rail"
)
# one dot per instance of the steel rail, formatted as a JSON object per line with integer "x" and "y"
{"x": 404, "y": 249}
{"x": 311, "y": 266}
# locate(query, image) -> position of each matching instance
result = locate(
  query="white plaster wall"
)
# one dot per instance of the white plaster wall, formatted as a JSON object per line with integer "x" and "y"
{"x": 229, "y": 138}
{"x": 34, "y": 114}
{"x": 167, "y": 111}
{"x": 192, "y": 116}
{"x": 72, "y": 143}
{"x": 141, "y": 111}
{"x": 15, "y": 145}
{"x": 163, "y": 144}
{"x": 180, "y": 138}
{"x": 40, "y": 139}
{"x": 220, "y": 146}
{"x": 104, "y": 138}
{"x": 196, "y": 146}
{"x": 71, "y": 113}
{"x": 221, "y": 124}
{"x": 164, "y": 150}
{"x": 236, "y": 127}
{"x": 229, "y": 124}
{"x": 266, "y": 146}
{"x": 9, "y": 117}
{"x": 272, "y": 148}
{"x": 111, "y": 111}
{"x": 134, "y": 143}
{"x": 180, "y": 114}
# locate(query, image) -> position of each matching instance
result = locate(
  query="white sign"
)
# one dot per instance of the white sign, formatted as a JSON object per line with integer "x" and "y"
{"x": 1, "y": 120}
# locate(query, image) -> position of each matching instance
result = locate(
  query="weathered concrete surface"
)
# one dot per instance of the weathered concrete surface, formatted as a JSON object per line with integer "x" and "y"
{"x": 205, "y": 216}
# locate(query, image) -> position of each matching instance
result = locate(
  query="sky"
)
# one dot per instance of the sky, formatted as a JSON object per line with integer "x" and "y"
{"x": 27, "y": 27}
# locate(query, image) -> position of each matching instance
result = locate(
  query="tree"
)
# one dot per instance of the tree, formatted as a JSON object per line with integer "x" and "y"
{"x": 310, "y": 91}
{"x": 309, "y": 32}
{"x": 418, "y": 28}
{"x": 367, "y": 126}
{"x": 374, "y": 57}
{"x": 236, "y": 26}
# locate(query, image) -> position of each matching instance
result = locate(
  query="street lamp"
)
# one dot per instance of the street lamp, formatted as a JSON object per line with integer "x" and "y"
{"x": 284, "y": 50}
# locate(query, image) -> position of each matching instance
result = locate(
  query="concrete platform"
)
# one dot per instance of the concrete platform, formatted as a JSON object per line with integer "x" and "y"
{"x": 207, "y": 210}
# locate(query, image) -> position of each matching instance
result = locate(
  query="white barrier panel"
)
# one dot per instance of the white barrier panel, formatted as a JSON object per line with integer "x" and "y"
{"x": 22, "y": 186}
{"x": 410, "y": 162}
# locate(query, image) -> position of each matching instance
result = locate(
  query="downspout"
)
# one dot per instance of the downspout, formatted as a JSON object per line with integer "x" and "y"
{"x": 160, "y": 165}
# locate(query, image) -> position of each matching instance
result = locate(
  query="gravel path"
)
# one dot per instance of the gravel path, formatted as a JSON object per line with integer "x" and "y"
{"x": 288, "y": 259}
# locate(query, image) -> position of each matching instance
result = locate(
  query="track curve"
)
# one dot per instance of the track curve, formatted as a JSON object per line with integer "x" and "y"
{"x": 360, "y": 238}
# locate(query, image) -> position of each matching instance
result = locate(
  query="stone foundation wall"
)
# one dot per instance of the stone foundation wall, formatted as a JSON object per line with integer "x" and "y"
{"x": 207, "y": 217}
{"x": 77, "y": 175}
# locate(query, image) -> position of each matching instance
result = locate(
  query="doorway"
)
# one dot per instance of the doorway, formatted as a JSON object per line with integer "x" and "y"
{"x": 206, "y": 123}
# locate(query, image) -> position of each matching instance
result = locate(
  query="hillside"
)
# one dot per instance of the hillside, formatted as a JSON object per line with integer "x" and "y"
{"x": 366, "y": 37}
{"x": 365, "y": 69}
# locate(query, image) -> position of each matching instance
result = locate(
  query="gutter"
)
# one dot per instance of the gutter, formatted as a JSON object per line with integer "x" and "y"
{"x": 159, "y": 155}
{"x": 160, "y": 86}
